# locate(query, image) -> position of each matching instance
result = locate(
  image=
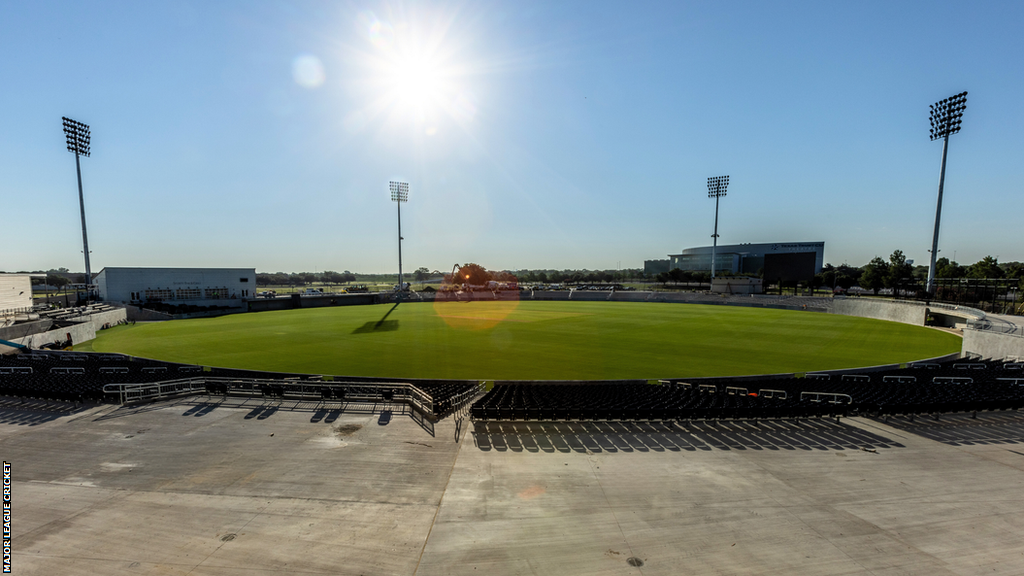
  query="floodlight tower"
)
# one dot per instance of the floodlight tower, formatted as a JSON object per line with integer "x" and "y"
{"x": 945, "y": 120}
{"x": 716, "y": 189}
{"x": 399, "y": 194}
{"x": 78, "y": 142}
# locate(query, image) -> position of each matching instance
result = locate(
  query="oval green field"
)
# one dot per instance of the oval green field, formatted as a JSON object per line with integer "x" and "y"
{"x": 531, "y": 341}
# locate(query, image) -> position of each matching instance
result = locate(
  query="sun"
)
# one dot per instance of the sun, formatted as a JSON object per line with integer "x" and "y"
{"x": 412, "y": 70}
{"x": 417, "y": 83}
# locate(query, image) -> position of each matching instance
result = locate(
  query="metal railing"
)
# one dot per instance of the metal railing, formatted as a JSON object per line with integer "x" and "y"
{"x": 144, "y": 392}
{"x": 830, "y": 397}
{"x": 952, "y": 380}
{"x": 324, "y": 391}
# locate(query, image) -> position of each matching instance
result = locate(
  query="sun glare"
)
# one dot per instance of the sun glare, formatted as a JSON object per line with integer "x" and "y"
{"x": 413, "y": 73}
{"x": 418, "y": 83}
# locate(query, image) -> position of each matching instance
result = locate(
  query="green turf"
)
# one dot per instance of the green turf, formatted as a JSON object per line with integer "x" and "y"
{"x": 533, "y": 340}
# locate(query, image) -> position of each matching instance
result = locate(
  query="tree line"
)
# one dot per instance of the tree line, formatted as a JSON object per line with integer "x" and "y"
{"x": 875, "y": 275}
{"x": 897, "y": 272}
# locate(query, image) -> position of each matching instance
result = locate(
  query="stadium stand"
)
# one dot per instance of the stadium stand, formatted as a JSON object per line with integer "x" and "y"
{"x": 919, "y": 389}
{"x": 96, "y": 377}
{"x": 931, "y": 389}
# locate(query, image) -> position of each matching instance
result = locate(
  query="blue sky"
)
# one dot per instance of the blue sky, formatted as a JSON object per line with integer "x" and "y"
{"x": 532, "y": 134}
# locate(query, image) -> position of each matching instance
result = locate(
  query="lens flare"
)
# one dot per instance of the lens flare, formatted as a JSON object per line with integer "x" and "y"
{"x": 308, "y": 71}
{"x": 466, "y": 306}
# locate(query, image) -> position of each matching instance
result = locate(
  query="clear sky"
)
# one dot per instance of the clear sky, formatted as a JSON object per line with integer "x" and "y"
{"x": 532, "y": 134}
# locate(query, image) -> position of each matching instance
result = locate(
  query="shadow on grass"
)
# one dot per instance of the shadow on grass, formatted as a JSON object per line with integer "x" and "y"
{"x": 382, "y": 325}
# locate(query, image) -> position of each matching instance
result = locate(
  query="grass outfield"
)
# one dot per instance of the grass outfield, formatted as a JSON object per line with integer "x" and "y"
{"x": 530, "y": 341}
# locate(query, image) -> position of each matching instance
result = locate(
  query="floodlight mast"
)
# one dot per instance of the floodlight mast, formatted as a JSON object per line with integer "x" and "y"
{"x": 945, "y": 120}
{"x": 399, "y": 194}
{"x": 78, "y": 139}
{"x": 716, "y": 189}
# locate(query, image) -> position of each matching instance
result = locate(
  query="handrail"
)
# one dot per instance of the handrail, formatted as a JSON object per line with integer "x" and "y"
{"x": 141, "y": 392}
{"x": 830, "y": 397}
{"x": 772, "y": 393}
{"x": 353, "y": 391}
{"x": 953, "y": 379}
{"x": 15, "y": 369}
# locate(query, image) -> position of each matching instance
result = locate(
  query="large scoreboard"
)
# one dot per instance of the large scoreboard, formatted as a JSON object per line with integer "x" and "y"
{"x": 789, "y": 266}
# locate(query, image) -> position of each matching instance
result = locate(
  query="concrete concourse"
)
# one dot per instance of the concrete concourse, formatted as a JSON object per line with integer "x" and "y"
{"x": 207, "y": 486}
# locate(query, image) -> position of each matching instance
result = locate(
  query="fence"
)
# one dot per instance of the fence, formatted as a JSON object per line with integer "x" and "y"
{"x": 321, "y": 391}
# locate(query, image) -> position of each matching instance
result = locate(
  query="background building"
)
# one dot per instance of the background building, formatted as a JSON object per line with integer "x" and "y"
{"x": 15, "y": 293}
{"x": 655, "y": 267}
{"x": 177, "y": 286}
{"x": 786, "y": 260}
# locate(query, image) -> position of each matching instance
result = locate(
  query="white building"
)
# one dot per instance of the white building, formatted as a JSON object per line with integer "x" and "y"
{"x": 175, "y": 286}
{"x": 15, "y": 293}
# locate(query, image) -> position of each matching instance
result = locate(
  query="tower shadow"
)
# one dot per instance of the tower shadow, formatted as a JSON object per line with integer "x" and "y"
{"x": 382, "y": 325}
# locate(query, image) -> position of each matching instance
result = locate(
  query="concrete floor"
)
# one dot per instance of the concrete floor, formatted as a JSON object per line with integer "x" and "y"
{"x": 246, "y": 487}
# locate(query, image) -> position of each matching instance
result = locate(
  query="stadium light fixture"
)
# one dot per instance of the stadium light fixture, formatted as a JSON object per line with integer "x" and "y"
{"x": 716, "y": 189}
{"x": 399, "y": 194}
{"x": 78, "y": 137}
{"x": 945, "y": 119}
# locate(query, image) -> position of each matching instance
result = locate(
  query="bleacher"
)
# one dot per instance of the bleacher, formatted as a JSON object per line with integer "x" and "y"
{"x": 81, "y": 377}
{"x": 920, "y": 388}
{"x": 949, "y": 387}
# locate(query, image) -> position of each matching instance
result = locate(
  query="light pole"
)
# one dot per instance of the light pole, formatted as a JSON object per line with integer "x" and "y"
{"x": 716, "y": 189}
{"x": 945, "y": 120}
{"x": 78, "y": 142}
{"x": 399, "y": 194}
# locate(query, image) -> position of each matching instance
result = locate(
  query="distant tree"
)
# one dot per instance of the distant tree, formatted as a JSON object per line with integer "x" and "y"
{"x": 1013, "y": 269}
{"x": 676, "y": 275}
{"x": 57, "y": 280}
{"x": 873, "y": 276}
{"x": 898, "y": 270}
{"x": 473, "y": 274}
{"x": 421, "y": 274}
{"x": 987, "y": 267}
{"x": 828, "y": 276}
{"x": 946, "y": 269}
